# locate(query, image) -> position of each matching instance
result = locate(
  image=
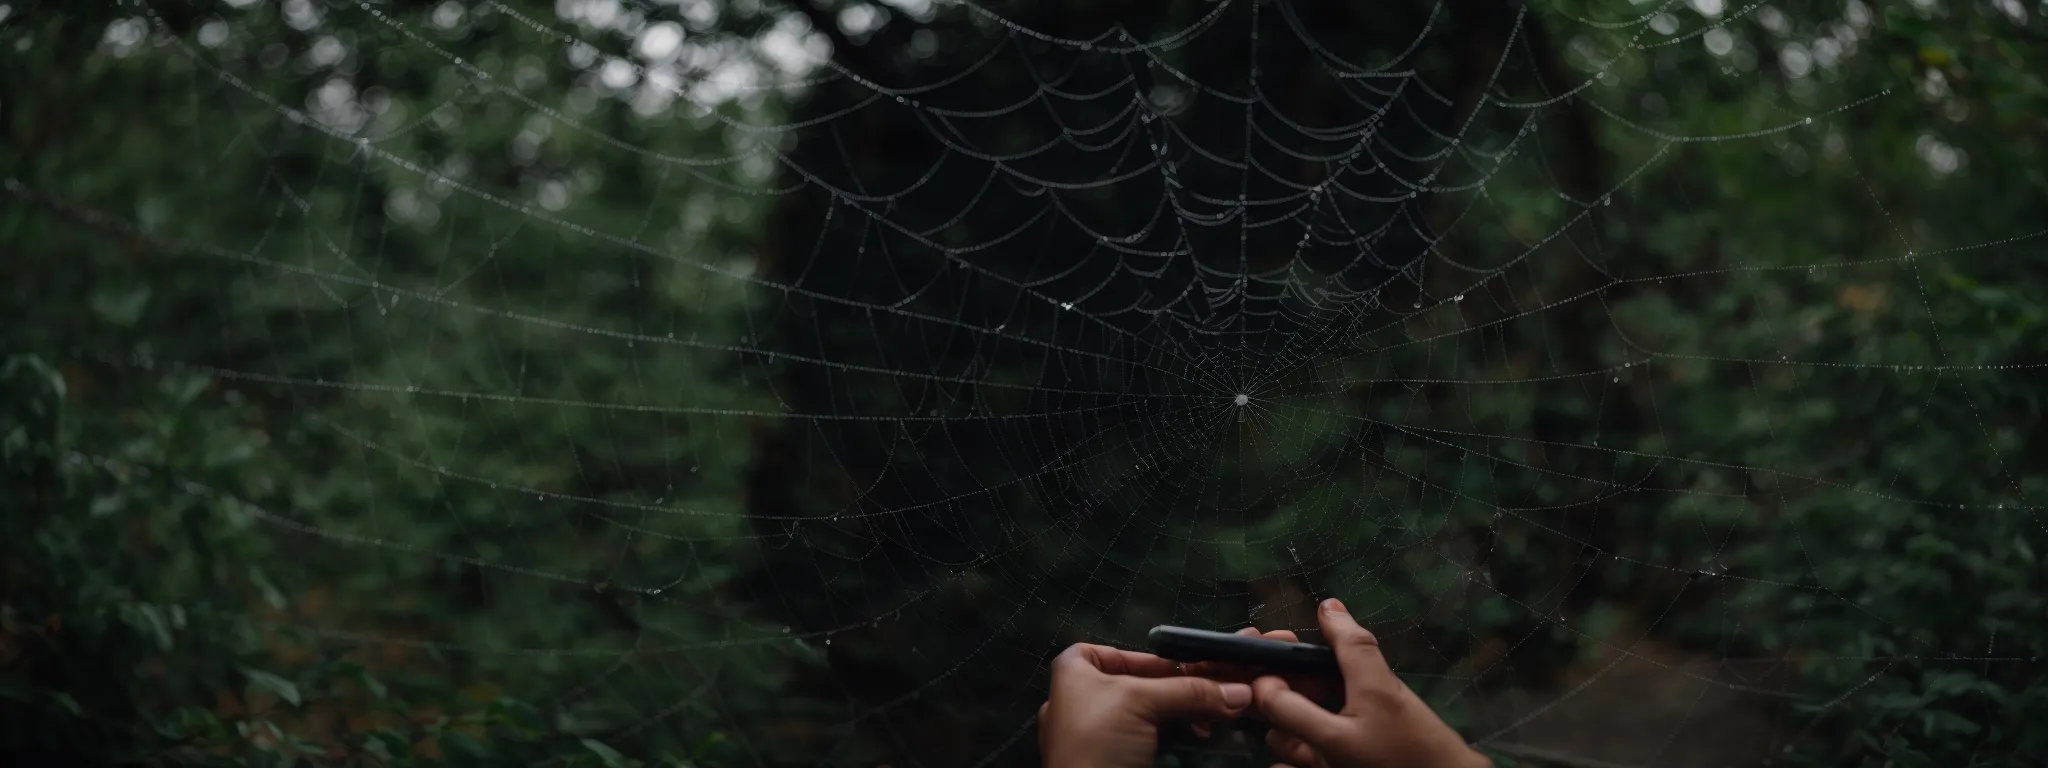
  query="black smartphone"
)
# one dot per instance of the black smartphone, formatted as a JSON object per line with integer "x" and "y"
{"x": 1185, "y": 644}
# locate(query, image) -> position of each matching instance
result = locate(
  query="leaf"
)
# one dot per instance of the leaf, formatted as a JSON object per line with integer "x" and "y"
{"x": 271, "y": 594}
{"x": 386, "y": 743}
{"x": 285, "y": 689}
{"x": 517, "y": 714}
{"x": 150, "y": 619}
{"x": 70, "y": 704}
{"x": 120, "y": 307}
{"x": 709, "y": 740}
{"x": 604, "y": 752}
{"x": 464, "y": 744}
{"x": 368, "y": 681}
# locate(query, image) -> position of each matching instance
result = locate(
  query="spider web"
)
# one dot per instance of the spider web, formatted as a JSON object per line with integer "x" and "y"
{"x": 871, "y": 371}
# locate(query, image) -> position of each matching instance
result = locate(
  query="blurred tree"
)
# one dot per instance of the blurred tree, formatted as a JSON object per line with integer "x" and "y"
{"x": 295, "y": 324}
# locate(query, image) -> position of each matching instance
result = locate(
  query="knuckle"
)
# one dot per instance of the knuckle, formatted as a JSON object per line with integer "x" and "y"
{"x": 1264, "y": 704}
{"x": 1085, "y": 651}
{"x": 1358, "y": 636}
{"x": 1071, "y": 659}
{"x": 1361, "y": 645}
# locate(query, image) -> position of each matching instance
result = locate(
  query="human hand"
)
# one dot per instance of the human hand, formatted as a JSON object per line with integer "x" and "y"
{"x": 1382, "y": 722}
{"x": 1321, "y": 689}
{"x": 1107, "y": 705}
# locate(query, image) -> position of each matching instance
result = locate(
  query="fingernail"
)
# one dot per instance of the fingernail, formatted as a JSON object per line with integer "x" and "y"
{"x": 1334, "y": 605}
{"x": 1236, "y": 695}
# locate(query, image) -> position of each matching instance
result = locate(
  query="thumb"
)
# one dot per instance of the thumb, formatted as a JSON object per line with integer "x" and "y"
{"x": 1188, "y": 697}
{"x": 1290, "y": 711}
{"x": 1358, "y": 651}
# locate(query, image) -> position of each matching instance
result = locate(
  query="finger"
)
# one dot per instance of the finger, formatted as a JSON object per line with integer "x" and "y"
{"x": 1291, "y": 748}
{"x": 1329, "y": 691}
{"x": 1286, "y": 709}
{"x": 1077, "y": 661}
{"x": 1358, "y": 651}
{"x": 1325, "y": 691}
{"x": 1116, "y": 661}
{"x": 1317, "y": 688}
{"x": 1189, "y": 697}
{"x": 1217, "y": 670}
{"x": 1222, "y": 670}
{"x": 1201, "y": 730}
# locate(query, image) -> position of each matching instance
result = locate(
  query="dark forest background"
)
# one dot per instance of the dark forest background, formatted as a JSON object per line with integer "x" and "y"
{"x": 410, "y": 383}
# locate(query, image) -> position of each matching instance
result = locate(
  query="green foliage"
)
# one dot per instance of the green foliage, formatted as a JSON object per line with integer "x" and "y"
{"x": 184, "y": 582}
{"x": 474, "y": 443}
